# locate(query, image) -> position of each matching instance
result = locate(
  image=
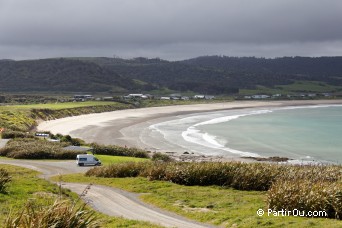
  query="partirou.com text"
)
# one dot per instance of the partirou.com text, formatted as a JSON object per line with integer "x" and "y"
{"x": 294, "y": 212}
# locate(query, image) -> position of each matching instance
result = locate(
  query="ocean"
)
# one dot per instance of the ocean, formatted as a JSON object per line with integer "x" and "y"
{"x": 304, "y": 134}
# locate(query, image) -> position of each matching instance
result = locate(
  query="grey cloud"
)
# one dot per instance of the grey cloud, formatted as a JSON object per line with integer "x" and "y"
{"x": 174, "y": 29}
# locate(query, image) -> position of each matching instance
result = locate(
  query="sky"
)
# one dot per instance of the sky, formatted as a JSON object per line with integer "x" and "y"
{"x": 169, "y": 29}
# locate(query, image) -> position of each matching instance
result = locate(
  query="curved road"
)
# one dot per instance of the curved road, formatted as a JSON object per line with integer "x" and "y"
{"x": 110, "y": 201}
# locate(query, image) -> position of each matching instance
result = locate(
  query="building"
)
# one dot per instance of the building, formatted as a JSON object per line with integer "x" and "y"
{"x": 83, "y": 97}
{"x": 199, "y": 96}
{"x": 262, "y": 96}
{"x": 165, "y": 98}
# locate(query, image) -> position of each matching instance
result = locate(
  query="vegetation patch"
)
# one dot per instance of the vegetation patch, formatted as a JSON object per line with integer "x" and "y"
{"x": 58, "y": 214}
{"x": 227, "y": 207}
{"x": 119, "y": 151}
{"x": 161, "y": 157}
{"x": 108, "y": 159}
{"x": 36, "y": 149}
{"x": 26, "y": 192}
{"x": 24, "y": 117}
{"x": 304, "y": 185}
{"x": 10, "y": 134}
{"x": 4, "y": 179}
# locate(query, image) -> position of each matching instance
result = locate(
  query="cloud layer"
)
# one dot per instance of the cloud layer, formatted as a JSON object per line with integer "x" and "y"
{"x": 174, "y": 29}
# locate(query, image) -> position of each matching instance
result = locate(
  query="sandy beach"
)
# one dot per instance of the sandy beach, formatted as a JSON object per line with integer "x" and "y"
{"x": 126, "y": 127}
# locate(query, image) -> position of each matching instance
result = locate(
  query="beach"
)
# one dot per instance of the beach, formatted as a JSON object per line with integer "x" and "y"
{"x": 130, "y": 127}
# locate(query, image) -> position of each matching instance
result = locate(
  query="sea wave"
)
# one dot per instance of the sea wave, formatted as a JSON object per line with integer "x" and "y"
{"x": 194, "y": 135}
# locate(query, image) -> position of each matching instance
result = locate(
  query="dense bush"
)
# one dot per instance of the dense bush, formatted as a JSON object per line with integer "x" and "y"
{"x": 161, "y": 157}
{"x": 4, "y": 179}
{"x": 10, "y": 134}
{"x": 59, "y": 214}
{"x": 68, "y": 139}
{"x": 118, "y": 151}
{"x": 36, "y": 149}
{"x": 307, "y": 195}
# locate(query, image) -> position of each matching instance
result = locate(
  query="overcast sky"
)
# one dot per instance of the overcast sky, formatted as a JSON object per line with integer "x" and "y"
{"x": 169, "y": 29}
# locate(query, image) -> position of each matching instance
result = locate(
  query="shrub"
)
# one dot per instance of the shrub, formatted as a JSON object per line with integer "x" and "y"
{"x": 9, "y": 134}
{"x": 59, "y": 214}
{"x": 118, "y": 151}
{"x": 161, "y": 157}
{"x": 4, "y": 179}
{"x": 36, "y": 149}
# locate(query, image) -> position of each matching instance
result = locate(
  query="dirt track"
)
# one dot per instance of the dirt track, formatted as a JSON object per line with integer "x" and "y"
{"x": 110, "y": 201}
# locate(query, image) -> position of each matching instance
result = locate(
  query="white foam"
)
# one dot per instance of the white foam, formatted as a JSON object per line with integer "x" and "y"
{"x": 229, "y": 118}
{"x": 194, "y": 135}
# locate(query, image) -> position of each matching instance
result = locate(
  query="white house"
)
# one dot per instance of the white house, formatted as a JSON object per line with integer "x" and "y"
{"x": 260, "y": 96}
{"x": 199, "y": 96}
{"x": 165, "y": 98}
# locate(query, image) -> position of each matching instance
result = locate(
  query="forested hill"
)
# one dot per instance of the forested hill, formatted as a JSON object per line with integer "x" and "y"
{"x": 208, "y": 74}
{"x": 60, "y": 75}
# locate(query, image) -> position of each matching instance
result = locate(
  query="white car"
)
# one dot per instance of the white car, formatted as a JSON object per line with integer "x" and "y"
{"x": 87, "y": 159}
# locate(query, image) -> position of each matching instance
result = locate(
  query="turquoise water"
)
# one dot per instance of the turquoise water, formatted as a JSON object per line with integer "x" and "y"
{"x": 313, "y": 133}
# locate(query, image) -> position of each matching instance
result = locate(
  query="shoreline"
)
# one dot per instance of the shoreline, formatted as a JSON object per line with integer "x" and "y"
{"x": 125, "y": 127}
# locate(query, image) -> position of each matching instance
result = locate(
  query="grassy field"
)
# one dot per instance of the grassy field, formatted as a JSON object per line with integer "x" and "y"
{"x": 23, "y": 117}
{"x": 296, "y": 87}
{"x": 216, "y": 205}
{"x": 26, "y": 185}
{"x": 107, "y": 159}
{"x": 56, "y": 106}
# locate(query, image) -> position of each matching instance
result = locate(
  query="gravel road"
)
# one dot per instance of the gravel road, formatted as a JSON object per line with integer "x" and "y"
{"x": 110, "y": 201}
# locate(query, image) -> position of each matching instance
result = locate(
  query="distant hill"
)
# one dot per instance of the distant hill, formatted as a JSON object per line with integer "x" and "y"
{"x": 221, "y": 74}
{"x": 207, "y": 74}
{"x": 60, "y": 75}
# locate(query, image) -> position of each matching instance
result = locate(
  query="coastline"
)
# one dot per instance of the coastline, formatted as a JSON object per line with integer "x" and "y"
{"x": 125, "y": 127}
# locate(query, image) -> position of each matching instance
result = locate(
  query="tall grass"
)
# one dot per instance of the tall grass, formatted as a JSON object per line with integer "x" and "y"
{"x": 59, "y": 214}
{"x": 125, "y": 169}
{"x": 4, "y": 179}
{"x": 118, "y": 151}
{"x": 302, "y": 187}
{"x": 306, "y": 195}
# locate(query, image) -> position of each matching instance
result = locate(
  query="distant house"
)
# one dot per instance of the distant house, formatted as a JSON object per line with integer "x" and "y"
{"x": 165, "y": 98}
{"x": 107, "y": 98}
{"x": 83, "y": 97}
{"x": 185, "y": 98}
{"x": 262, "y": 96}
{"x": 136, "y": 95}
{"x": 199, "y": 96}
{"x": 44, "y": 135}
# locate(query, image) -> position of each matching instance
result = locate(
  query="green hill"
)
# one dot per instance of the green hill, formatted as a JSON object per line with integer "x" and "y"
{"x": 207, "y": 74}
{"x": 60, "y": 75}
